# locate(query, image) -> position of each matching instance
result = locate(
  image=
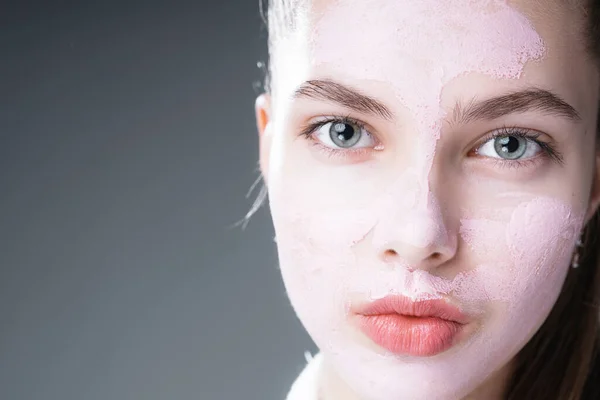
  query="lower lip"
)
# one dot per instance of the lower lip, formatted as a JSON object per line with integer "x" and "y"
{"x": 408, "y": 335}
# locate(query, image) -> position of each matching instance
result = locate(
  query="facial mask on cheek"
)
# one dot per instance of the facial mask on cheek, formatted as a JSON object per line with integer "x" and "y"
{"x": 518, "y": 279}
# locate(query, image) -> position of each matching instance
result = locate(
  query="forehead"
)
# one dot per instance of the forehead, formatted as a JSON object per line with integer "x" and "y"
{"x": 375, "y": 39}
{"x": 558, "y": 19}
{"x": 418, "y": 46}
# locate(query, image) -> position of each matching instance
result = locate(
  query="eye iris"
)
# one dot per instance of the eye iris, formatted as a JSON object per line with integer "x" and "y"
{"x": 510, "y": 147}
{"x": 343, "y": 134}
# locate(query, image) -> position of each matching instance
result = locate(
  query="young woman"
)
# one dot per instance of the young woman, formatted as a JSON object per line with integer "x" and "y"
{"x": 434, "y": 181}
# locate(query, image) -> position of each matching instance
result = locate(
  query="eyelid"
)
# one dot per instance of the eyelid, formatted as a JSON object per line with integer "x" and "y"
{"x": 507, "y": 131}
{"x": 350, "y": 154}
{"x": 311, "y": 127}
{"x": 548, "y": 147}
{"x": 364, "y": 141}
{"x": 488, "y": 149}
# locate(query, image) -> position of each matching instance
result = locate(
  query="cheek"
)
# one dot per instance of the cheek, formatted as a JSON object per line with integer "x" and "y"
{"x": 521, "y": 262}
{"x": 315, "y": 247}
{"x": 321, "y": 210}
{"x": 319, "y": 215}
{"x": 539, "y": 235}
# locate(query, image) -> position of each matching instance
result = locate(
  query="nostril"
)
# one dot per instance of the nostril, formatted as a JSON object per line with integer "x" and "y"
{"x": 390, "y": 253}
{"x": 390, "y": 256}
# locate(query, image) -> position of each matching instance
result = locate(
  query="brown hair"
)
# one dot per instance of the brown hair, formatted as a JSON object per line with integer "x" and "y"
{"x": 562, "y": 360}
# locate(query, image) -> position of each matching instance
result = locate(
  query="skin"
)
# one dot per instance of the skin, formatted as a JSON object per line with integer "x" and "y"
{"x": 423, "y": 206}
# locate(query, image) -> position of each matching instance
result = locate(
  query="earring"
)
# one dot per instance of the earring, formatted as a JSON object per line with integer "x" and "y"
{"x": 578, "y": 246}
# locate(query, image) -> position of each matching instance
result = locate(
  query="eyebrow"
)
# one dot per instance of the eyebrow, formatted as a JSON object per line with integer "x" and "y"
{"x": 347, "y": 97}
{"x": 531, "y": 99}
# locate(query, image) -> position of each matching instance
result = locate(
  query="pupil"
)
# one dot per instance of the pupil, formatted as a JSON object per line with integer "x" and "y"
{"x": 345, "y": 131}
{"x": 510, "y": 147}
{"x": 344, "y": 135}
{"x": 510, "y": 144}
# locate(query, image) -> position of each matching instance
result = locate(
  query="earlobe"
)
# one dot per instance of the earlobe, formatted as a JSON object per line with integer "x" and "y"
{"x": 264, "y": 125}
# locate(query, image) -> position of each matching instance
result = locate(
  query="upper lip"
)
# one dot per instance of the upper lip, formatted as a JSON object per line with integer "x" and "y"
{"x": 421, "y": 308}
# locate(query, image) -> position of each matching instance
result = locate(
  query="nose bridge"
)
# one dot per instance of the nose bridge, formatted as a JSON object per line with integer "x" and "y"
{"x": 412, "y": 224}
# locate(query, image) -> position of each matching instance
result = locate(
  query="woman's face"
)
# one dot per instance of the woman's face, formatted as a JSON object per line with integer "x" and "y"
{"x": 424, "y": 150}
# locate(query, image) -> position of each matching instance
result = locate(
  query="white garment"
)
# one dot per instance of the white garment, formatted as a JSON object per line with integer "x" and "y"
{"x": 306, "y": 385}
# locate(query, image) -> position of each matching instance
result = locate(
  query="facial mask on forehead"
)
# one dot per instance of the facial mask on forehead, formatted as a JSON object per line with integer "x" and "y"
{"x": 417, "y": 47}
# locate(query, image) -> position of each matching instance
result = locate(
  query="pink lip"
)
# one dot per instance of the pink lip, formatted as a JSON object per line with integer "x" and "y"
{"x": 405, "y": 327}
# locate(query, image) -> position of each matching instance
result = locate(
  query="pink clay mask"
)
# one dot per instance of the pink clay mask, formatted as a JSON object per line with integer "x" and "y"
{"x": 333, "y": 222}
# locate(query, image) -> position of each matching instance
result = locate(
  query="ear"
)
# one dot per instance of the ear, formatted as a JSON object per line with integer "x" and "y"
{"x": 595, "y": 193}
{"x": 264, "y": 125}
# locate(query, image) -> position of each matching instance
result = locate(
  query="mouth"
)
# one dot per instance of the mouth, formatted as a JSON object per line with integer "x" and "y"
{"x": 416, "y": 328}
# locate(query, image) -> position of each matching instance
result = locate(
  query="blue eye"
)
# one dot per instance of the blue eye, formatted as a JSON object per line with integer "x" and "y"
{"x": 510, "y": 147}
{"x": 344, "y": 135}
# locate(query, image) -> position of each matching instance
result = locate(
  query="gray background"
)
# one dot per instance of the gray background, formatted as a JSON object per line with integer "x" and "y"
{"x": 127, "y": 146}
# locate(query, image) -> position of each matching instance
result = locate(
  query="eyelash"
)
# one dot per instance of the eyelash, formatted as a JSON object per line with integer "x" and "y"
{"x": 310, "y": 129}
{"x": 548, "y": 149}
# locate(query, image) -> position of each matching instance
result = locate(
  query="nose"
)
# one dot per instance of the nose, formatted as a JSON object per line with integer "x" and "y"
{"x": 417, "y": 237}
